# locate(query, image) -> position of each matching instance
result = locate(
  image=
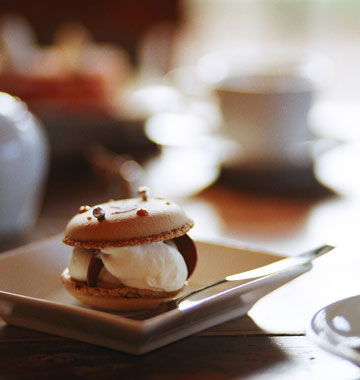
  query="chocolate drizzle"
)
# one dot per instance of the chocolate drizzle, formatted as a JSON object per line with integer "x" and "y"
{"x": 123, "y": 211}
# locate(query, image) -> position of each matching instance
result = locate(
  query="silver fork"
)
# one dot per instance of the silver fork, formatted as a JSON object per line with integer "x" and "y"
{"x": 278, "y": 267}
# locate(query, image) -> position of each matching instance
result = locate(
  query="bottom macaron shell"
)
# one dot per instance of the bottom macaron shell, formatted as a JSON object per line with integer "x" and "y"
{"x": 120, "y": 299}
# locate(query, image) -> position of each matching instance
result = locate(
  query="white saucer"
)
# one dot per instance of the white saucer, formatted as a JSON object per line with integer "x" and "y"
{"x": 336, "y": 328}
{"x": 296, "y": 156}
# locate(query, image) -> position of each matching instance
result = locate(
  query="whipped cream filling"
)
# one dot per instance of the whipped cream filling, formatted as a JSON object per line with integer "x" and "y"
{"x": 157, "y": 266}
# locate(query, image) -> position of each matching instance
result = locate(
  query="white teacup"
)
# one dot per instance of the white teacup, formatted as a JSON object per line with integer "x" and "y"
{"x": 266, "y": 113}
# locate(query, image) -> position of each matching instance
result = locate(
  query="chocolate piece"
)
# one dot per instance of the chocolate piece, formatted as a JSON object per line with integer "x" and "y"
{"x": 94, "y": 270}
{"x": 99, "y": 213}
{"x": 83, "y": 209}
{"x": 187, "y": 248}
{"x": 144, "y": 192}
{"x": 142, "y": 212}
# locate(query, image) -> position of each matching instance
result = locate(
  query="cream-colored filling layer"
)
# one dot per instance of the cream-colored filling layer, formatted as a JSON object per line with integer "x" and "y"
{"x": 156, "y": 266}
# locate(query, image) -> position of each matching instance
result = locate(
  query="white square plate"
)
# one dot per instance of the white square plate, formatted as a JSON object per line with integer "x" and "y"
{"x": 32, "y": 296}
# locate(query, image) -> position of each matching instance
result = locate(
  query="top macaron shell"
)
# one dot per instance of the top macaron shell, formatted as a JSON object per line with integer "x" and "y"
{"x": 128, "y": 222}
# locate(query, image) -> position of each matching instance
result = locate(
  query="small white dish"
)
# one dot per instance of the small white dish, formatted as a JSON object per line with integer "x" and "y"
{"x": 32, "y": 296}
{"x": 336, "y": 328}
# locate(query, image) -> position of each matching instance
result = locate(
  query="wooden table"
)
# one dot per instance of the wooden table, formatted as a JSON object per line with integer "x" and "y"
{"x": 268, "y": 344}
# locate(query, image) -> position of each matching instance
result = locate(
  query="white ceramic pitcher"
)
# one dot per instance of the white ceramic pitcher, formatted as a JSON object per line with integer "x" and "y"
{"x": 23, "y": 167}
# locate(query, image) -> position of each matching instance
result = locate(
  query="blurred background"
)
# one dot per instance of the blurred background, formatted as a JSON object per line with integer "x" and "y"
{"x": 126, "y": 93}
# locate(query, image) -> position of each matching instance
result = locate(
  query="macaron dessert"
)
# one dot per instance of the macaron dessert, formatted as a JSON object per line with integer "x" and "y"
{"x": 129, "y": 254}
